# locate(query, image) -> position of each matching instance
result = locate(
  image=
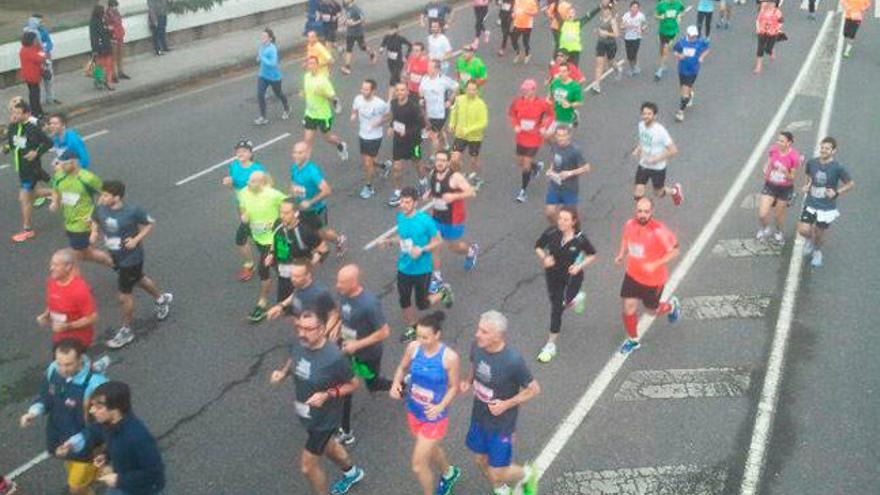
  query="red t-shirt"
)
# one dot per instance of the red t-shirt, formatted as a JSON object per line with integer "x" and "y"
{"x": 576, "y": 73}
{"x": 647, "y": 243}
{"x": 31, "y": 59}
{"x": 532, "y": 117}
{"x": 68, "y": 303}
{"x": 416, "y": 68}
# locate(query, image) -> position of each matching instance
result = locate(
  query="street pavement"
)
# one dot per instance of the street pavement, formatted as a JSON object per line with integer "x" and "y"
{"x": 677, "y": 417}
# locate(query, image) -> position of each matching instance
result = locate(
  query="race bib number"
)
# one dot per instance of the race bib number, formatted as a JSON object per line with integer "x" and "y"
{"x": 527, "y": 125}
{"x": 483, "y": 393}
{"x": 348, "y": 333}
{"x": 689, "y": 51}
{"x": 433, "y": 13}
{"x": 777, "y": 176}
{"x": 393, "y": 55}
{"x": 58, "y": 317}
{"x": 302, "y": 410}
{"x": 19, "y": 142}
{"x": 505, "y": 7}
{"x": 560, "y": 95}
{"x": 421, "y": 395}
{"x": 416, "y": 78}
{"x": 399, "y": 127}
{"x": 671, "y": 14}
{"x": 113, "y": 243}
{"x": 817, "y": 192}
{"x": 69, "y": 198}
{"x": 326, "y": 17}
{"x": 260, "y": 228}
{"x": 285, "y": 270}
{"x": 439, "y": 204}
{"x": 636, "y": 250}
{"x": 406, "y": 245}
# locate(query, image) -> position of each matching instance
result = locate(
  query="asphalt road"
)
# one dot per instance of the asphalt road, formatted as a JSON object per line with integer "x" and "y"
{"x": 677, "y": 417}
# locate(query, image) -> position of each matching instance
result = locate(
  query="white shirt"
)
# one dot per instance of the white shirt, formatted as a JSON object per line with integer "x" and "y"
{"x": 653, "y": 142}
{"x": 370, "y": 113}
{"x": 434, "y": 91}
{"x": 438, "y": 46}
{"x": 632, "y": 25}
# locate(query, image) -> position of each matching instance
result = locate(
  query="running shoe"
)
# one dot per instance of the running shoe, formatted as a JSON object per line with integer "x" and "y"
{"x": 445, "y": 484}
{"x": 539, "y": 167}
{"x": 762, "y": 234}
{"x": 347, "y": 439}
{"x": 693, "y": 97}
{"x": 679, "y": 116}
{"x": 675, "y": 313}
{"x": 447, "y": 297}
{"x": 246, "y": 272}
{"x": 816, "y": 260}
{"x": 387, "y": 166}
{"x": 345, "y": 70}
{"x": 629, "y": 346}
{"x": 394, "y": 200}
{"x": 580, "y": 302}
{"x": 343, "y": 151}
{"x": 7, "y": 487}
{"x": 100, "y": 365}
{"x": 470, "y": 261}
{"x": 677, "y": 194}
{"x": 517, "y": 59}
{"x": 521, "y": 196}
{"x": 529, "y": 482}
{"x": 261, "y": 121}
{"x": 337, "y": 106}
{"x": 408, "y": 335}
{"x": 548, "y": 352}
{"x": 344, "y": 484}
{"x": 808, "y": 247}
{"x": 341, "y": 244}
{"x": 23, "y": 236}
{"x": 527, "y": 59}
{"x": 486, "y": 36}
{"x": 163, "y": 306}
{"x": 258, "y": 314}
{"x": 285, "y": 115}
{"x": 122, "y": 338}
{"x": 436, "y": 284}
{"x": 595, "y": 89}
{"x": 659, "y": 74}
{"x": 847, "y": 51}
{"x": 778, "y": 238}
{"x": 40, "y": 202}
{"x": 367, "y": 192}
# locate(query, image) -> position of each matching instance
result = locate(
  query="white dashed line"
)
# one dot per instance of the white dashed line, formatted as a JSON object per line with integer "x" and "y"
{"x": 229, "y": 160}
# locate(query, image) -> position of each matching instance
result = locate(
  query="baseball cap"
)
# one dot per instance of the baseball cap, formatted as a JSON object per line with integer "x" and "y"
{"x": 528, "y": 84}
{"x": 245, "y": 143}
{"x": 692, "y": 30}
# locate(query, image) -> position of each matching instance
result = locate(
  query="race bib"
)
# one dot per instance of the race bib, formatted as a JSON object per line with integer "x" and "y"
{"x": 483, "y": 393}
{"x": 439, "y": 204}
{"x": 777, "y": 176}
{"x": 689, "y": 51}
{"x": 57, "y": 317}
{"x": 406, "y": 245}
{"x": 298, "y": 191}
{"x": 285, "y": 269}
{"x": 416, "y": 78}
{"x": 421, "y": 395}
{"x": 19, "y": 142}
{"x": 260, "y": 228}
{"x": 817, "y": 192}
{"x": 69, "y": 198}
{"x": 671, "y": 14}
{"x": 326, "y": 17}
{"x": 433, "y": 13}
{"x": 636, "y": 250}
{"x": 392, "y": 55}
{"x": 399, "y": 127}
{"x": 505, "y": 7}
{"x": 348, "y": 333}
{"x": 303, "y": 410}
{"x": 113, "y": 243}
{"x": 560, "y": 95}
{"x": 465, "y": 77}
{"x": 527, "y": 125}
{"x": 826, "y": 216}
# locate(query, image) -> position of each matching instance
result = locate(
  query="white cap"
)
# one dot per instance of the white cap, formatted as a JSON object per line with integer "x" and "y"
{"x": 692, "y": 30}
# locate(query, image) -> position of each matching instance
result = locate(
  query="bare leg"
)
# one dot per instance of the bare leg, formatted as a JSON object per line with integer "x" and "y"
{"x": 311, "y": 468}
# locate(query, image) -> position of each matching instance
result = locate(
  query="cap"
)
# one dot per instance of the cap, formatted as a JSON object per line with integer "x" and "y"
{"x": 245, "y": 143}
{"x": 528, "y": 84}
{"x": 693, "y": 31}
{"x": 468, "y": 48}
{"x": 68, "y": 154}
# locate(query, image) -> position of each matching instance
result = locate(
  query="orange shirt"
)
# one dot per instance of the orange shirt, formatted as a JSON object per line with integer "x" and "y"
{"x": 647, "y": 243}
{"x": 854, "y": 9}
{"x": 325, "y": 58}
{"x": 524, "y": 12}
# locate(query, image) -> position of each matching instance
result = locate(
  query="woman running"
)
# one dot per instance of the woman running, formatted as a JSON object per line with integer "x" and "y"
{"x": 606, "y": 45}
{"x": 768, "y": 25}
{"x": 269, "y": 76}
{"x": 779, "y": 172}
{"x": 505, "y": 18}
{"x": 481, "y": 12}
{"x": 524, "y": 12}
{"x": 634, "y": 25}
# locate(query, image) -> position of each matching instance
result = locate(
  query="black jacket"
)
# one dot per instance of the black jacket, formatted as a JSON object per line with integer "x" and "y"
{"x": 99, "y": 34}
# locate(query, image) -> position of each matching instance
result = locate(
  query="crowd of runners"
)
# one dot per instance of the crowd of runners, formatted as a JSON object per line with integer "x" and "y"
{"x": 434, "y": 118}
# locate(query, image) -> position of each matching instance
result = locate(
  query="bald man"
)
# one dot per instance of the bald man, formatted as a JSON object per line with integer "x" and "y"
{"x": 70, "y": 307}
{"x": 364, "y": 329}
{"x": 310, "y": 191}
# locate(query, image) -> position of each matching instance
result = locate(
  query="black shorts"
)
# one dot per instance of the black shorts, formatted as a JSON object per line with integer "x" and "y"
{"x": 810, "y": 217}
{"x": 316, "y": 441}
{"x": 323, "y": 125}
{"x": 79, "y": 241}
{"x": 262, "y": 269}
{"x": 606, "y": 49}
{"x": 687, "y": 79}
{"x": 650, "y": 296}
{"x": 437, "y": 125}
{"x": 665, "y": 40}
{"x": 370, "y": 147}
{"x": 315, "y": 219}
{"x": 473, "y": 147}
{"x": 526, "y": 151}
{"x": 657, "y": 177}
{"x": 407, "y": 149}
{"x": 242, "y": 234}
{"x": 783, "y": 193}
{"x": 407, "y": 284}
{"x": 351, "y": 40}
{"x": 330, "y": 31}
{"x": 850, "y": 28}
{"x": 128, "y": 276}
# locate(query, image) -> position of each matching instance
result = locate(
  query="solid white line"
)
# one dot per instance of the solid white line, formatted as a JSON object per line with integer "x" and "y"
{"x": 766, "y": 410}
{"x": 95, "y": 134}
{"x": 5, "y": 165}
{"x": 569, "y": 425}
{"x": 384, "y": 235}
{"x": 607, "y": 73}
{"x": 228, "y": 161}
{"x": 29, "y": 464}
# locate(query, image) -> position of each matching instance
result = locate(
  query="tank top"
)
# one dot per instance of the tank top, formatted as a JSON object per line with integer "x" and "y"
{"x": 428, "y": 383}
{"x": 449, "y": 214}
{"x": 606, "y": 25}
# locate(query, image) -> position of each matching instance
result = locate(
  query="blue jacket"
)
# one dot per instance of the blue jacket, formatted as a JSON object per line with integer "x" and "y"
{"x": 33, "y": 24}
{"x": 268, "y": 56}
{"x": 71, "y": 140}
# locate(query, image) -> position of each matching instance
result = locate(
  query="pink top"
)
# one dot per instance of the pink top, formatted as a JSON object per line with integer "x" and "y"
{"x": 769, "y": 20}
{"x": 780, "y": 169}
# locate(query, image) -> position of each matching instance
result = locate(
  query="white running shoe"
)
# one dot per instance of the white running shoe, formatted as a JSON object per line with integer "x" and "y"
{"x": 122, "y": 338}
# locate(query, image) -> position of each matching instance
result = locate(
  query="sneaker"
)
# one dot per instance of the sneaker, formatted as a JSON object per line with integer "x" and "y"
{"x": 394, "y": 199}
{"x": 445, "y": 484}
{"x": 539, "y": 167}
{"x": 629, "y": 346}
{"x": 675, "y": 314}
{"x": 367, "y": 192}
{"x": 847, "y": 51}
{"x": 387, "y": 167}
{"x": 347, "y": 439}
{"x": 261, "y": 121}
{"x": 548, "y": 352}
{"x": 100, "y": 365}
{"x": 659, "y": 74}
{"x": 258, "y": 314}
{"x": 163, "y": 306}
{"x": 122, "y": 338}
{"x": 343, "y": 153}
{"x": 618, "y": 74}
{"x": 517, "y": 59}
{"x": 637, "y": 70}
{"x": 246, "y": 272}
{"x": 345, "y": 70}
{"x": 470, "y": 261}
{"x": 778, "y": 238}
{"x": 816, "y": 260}
{"x": 679, "y": 116}
{"x": 580, "y": 302}
{"x": 529, "y": 483}
{"x": 40, "y": 202}
{"x": 677, "y": 194}
{"x": 527, "y": 59}
{"x": 808, "y": 247}
{"x": 436, "y": 284}
{"x": 762, "y": 234}
{"x": 447, "y": 297}
{"x": 476, "y": 181}
{"x": 486, "y": 36}
{"x": 285, "y": 115}
{"x": 693, "y": 97}
{"x": 8, "y": 487}
{"x": 24, "y": 235}
{"x": 341, "y": 244}
{"x": 499, "y": 53}
{"x": 521, "y": 196}
{"x": 408, "y": 335}
{"x": 344, "y": 484}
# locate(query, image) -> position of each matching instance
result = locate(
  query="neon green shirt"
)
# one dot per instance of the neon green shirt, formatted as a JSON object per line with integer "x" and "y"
{"x": 469, "y": 118}
{"x": 76, "y": 192}
{"x": 319, "y": 94}
{"x": 474, "y": 69}
{"x": 262, "y": 211}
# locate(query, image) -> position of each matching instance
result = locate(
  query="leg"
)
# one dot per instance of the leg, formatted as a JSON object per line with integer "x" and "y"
{"x": 126, "y": 306}
{"x": 525, "y": 167}
{"x": 708, "y": 24}
{"x": 505, "y": 32}
{"x": 346, "y": 414}
{"x": 764, "y": 206}
{"x": 630, "y": 317}
{"x": 162, "y": 23}
{"x": 310, "y": 466}
{"x": 148, "y": 285}
{"x": 369, "y": 164}
{"x": 279, "y": 93}
{"x": 26, "y": 200}
{"x": 550, "y": 212}
{"x": 514, "y": 40}
{"x": 556, "y": 293}
{"x": 98, "y": 256}
{"x": 34, "y": 99}
{"x": 421, "y": 464}
{"x": 527, "y": 42}
{"x": 599, "y": 68}
{"x": 818, "y": 236}
{"x": 337, "y": 453}
{"x": 780, "y": 210}
{"x": 262, "y": 85}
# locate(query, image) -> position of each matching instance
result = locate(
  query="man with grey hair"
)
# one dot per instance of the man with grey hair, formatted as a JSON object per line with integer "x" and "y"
{"x": 501, "y": 381}
{"x": 70, "y": 307}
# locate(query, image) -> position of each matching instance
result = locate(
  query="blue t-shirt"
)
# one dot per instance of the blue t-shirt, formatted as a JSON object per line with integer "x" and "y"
{"x": 268, "y": 56}
{"x": 822, "y": 177}
{"x": 71, "y": 140}
{"x": 690, "y": 64}
{"x": 415, "y": 231}
{"x": 706, "y": 6}
{"x": 241, "y": 174}
{"x": 307, "y": 181}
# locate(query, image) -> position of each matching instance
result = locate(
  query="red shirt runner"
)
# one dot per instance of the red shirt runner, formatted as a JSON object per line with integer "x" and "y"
{"x": 573, "y": 70}
{"x": 68, "y": 303}
{"x": 532, "y": 116}
{"x": 416, "y": 69}
{"x": 645, "y": 244}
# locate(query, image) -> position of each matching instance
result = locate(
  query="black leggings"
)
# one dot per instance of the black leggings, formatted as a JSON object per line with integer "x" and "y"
{"x": 811, "y": 5}
{"x": 704, "y": 18}
{"x": 561, "y": 290}
{"x": 376, "y": 384}
{"x": 765, "y": 44}
{"x": 526, "y": 39}
{"x": 262, "y": 86}
{"x": 632, "y": 50}
{"x": 506, "y": 20}
{"x": 34, "y": 99}
{"x": 480, "y": 13}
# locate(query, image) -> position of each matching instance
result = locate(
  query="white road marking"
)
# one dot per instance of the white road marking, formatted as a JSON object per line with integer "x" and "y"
{"x": 724, "y": 307}
{"x": 698, "y": 383}
{"x": 29, "y": 464}
{"x": 618, "y": 64}
{"x": 570, "y": 423}
{"x": 384, "y": 235}
{"x": 743, "y": 248}
{"x": 799, "y": 125}
{"x": 766, "y": 411}
{"x": 679, "y": 480}
{"x": 750, "y": 201}
{"x": 229, "y": 160}
{"x": 85, "y": 138}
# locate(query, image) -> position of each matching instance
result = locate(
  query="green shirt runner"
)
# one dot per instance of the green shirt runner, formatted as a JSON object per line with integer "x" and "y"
{"x": 570, "y": 92}
{"x": 76, "y": 191}
{"x": 319, "y": 93}
{"x": 467, "y": 70}
{"x": 262, "y": 211}
{"x": 668, "y": 12}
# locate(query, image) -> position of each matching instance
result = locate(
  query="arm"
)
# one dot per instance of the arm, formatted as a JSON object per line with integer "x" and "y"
{"x": 143, "y": 231}
{"x": 621, "y": 251}
{"x": 459, "y": 182}
{"x": 583, "y": 169}
{"x": 281, "y": 373}
{"x": 396, "y": 391}
{"x": 324, "y": 191}
{"x": 847, "y": 186}
{"x": 525, "y": 394}
{"x": 151, "y": 470}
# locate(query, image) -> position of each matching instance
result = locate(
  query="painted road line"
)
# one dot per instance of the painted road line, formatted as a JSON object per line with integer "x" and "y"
{"x": 744, "y": 248}
{"x": 85, "y": 138}
{"x": 750, "y": 201}
{"x": 384, "y": 235}
{"x": 26, "y": 466}
{"x": 229, "y": 160}
{"x": 799, "y": 125}
{"x": 568, "y": 426}
{"x": 766, "y": 410}
{"x": 699, "y": 383}
{"x": 725, "y": 307}
{"x": 677, "y": 480}
{"x": 618, "y": 64}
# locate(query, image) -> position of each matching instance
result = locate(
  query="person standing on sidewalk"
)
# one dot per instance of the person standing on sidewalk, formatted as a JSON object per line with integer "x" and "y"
{"x": 67, "y": 138}
{"x": 70, "y": 307}
{"x": 31, "y": 59}
{"x": 269, "y": 76}
{"x": 102, "y": 47}
{"x": 113, "y": 19}
{"x": 157, "y": 13}
{"x": 27, "y": 143}
{"x": 35, "y": 24}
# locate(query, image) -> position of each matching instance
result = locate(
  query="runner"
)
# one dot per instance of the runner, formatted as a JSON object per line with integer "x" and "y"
{"x": 363, "y": 331}
{"x": 778, "y": 191}
{"x": 64, "y": 396}
{"x": 406, "y": 129}
{"x": 70, "y": 307}
{"x": 329, "y": 12}
{"x": 826, "y": 180}
{"x": 853, "y": 13}
{"x": 433, "y": 370}
{"x": 470, "y": 67}
{"x": 269, "y": 76}
{"x": 319, "y": 95}
{"x": 634, "y": 26}
{"x": 417, "y": 238}
{"x": 468, "y": 121}
{"x": 768, "y": 26}
{"x": 570, "y": 42}
{"x": 436, "y": 11}
{"x": 653, "y": 148}
{"x": 307, "y": 293}
{"x": 393, "y": 45}
{"x": 530, "y": 118}
{"x": 668, "y": 14}
{"x": 501, "y": 382}
{"x": 240, "y": 171}
{"x": 27, "y": 143}
{"x": 568, "y": 165}
{"x": 315, "y": 49}
{"x": 311, "y": 190}
{"x": 554, "y": 9}
{"x": 705, "y": 9}
{"x": 690, "y": 51}
{"x": 481, "y": 11}
{"x": 64, "y": 138}
{"x": 293, "y": 241}
{"x": 437, "y": 91}
{"x": 354, "y": 34}
{"x": 567, "y": 96}
{"x": 564, "y": 251}
{"x": 558, "y": 61}
{"x": 648, "y": 246}
{"x": 505, "y": 17}
{"x": 371, "y": 113}
{"x": 524, "y": 12}
{"x": 607, "y": 33}
{"x": 124, "y": 228}
{"x": 724, "y": 11}
{"x": 322, "y": 377}
{"x": 439, "y": 47}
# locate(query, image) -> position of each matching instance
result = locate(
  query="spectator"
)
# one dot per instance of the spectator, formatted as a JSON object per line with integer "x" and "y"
{"x": 35, "y": 24}
{"x": 32, "y": 58}
{"x": 113, "y": 20}
{"x": 158, "y": 15}
{"x": 102, "y": 48}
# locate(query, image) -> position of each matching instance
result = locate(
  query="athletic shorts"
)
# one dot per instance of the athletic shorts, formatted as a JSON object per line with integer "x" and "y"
{"x": 316, "y": 219}
{"x": 657, "y": 177}
{"x": 370, "y": 147}
{"x": 450, "y": 232}
{"x": 323, "y": 125}
{"x": 128, "y": 276}
{"x": 526, "y": 151}
{"x": 78, "y": 240}
{"x": 316, "y": 441}
{"x": 242, "y": 234}
{"x": 819, "y": 218}
{"x": 426, "y": 429}
{"x": 496, "y": 447}
{"x": 351, "y": 40}
{"x": 80, "y": 474}
{"x": 409, "y": 284}
{"x": 558, "y": 196}
{"x": 436, "y": 125}
{"x": 665, "y": 40}
{"x": 407, "y": 149}
{"x": 631, "y": 289}
{"x": 473, "y": 147}
{"x": 687, "y": 79}
{"x": 330, "y": 31}
{"x": 783, "y": 193}
{"x": 262, "y": 269}
{"x": 606, "y": 49}
{"x": 850, "y": 28}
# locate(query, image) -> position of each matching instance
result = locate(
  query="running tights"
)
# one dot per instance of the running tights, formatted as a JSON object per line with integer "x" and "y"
{"x": 704, "y": 18}
{"x": 505, "y": 30}
{"x": 562, "y": 290}
{"x": 480, "y": 13}
{"x": 262, "y": 86}
{"x": 526, "y": 35}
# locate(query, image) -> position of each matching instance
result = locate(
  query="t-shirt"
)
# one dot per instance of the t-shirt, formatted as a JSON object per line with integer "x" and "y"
{"x": 524, "y": 12}
{"x": 361, "y": 317}
{"x": 690, "y": 64}
{"x": 76, "y": 192}
{"x": 318, "y": 370}
{"x": 653, "y": 141}
{"x": 564, "y": 253}
{"x": 68, "y": 303}
{"x": 325, "y": 58}
{"x": 706, "y": 6}
{"x": 566, "y": 158}
{"x": 319, "y": 95}
{"x": 647, "y": 243}
{"x": 370, "y": 113}
{"x": 780, "y": 170}
{"x": 437, "y": 11}
{"x": 497, "y": 377}
{"x": 573, "y": 71}
{"x": 328, "y": 13}
{"x": 393, "y": 45}
{"x": 314, "y": 297}
{"x": 822, "y": 176}
{"x": 434, "y": 91}
{"x": 354, "y": 14}
{"x": 531, "y": 116}
{"x": 469, "y": 69}
{"x": 632, "y": 25}
{"x": 306, "y": 184}
{"x": 416, "y": 68}
{"x": 769, "y": 21}
{"x": 119, "y": 225}
{"x": 668, "y": 12}
{"x": 439, "y": 47}
{"x": 292, "y": 244}
{"x": 407, "y": 118}
{"x": 241, "y": 174}
{"x": 71, "y": 140}
{"x": 415, "y": 231}
{"x": 570, "y": 92}
{"x": 262, "y": 211}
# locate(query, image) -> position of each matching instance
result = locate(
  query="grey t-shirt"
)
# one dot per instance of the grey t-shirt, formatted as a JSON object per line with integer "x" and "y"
{"x": 119, "y": 225}
{"x": 822, "y": 176}
{"x": 311, "y": 297}
{"x": 318, "y": 370}
{"x": 566, "y": 158}
{"x": 354, "y": 13}
{"x": 497, "y": 376}
{"x": 361, "y": 317}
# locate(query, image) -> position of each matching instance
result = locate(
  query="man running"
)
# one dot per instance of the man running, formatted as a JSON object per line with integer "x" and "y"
{"x": 70, "y": 306}
{"x": 439, "y": 47}
{"x": 406, "y": 129}
{"x": 240, "y": 171}
{"x": 567, "y": 96}
{"x": 124, "y": 228}
{"x": 826, "y": 180}
{"x": 530, "y": 117}
{"x": 654, "y": 147}
{"x": 417, "y": 66}
{"x": 561, "y": 59}
{"x": 779, "y": 174}
{"x": 648, "y": 246}
{"x": 293, "y": 241}
{"x": 307, "y": 293}
{"x": 563, "y": 177}
{"x": 354, "y": 34}
{"x": 501, "y": 382}
{"x": 322, "y": 377}
{"x": 436, "y": 11}
{"x": 437, "y": 91}
{"x": 668, "y": 14}
{"x": 397, "y": 49}
{"x": 468, "y": 122}
{"x": 329, "y": 12}
{"x": 370, "y": 112}
{"x": 309, "y": 188}
{"x": 64, "y": 138}
{"x": 470, "y": 67}
{"x": 27, "y": 143}
{"x": 319, "y": 95}
{"x": 690, "y": 51}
